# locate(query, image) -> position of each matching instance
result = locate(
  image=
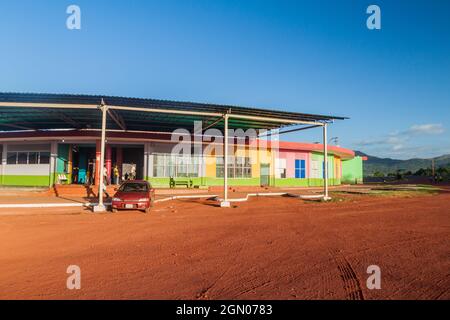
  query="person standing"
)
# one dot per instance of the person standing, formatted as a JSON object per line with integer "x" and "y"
{"x": 116, "y": 175}
{"x": 105, "y": 181}
{"x": 133, "y": 171}
{"x": 105, "y": 175}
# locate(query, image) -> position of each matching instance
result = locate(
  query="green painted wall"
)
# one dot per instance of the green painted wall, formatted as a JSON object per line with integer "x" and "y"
{"x": 206, "y": 181}
{"x": 317, "y": 182}
{"x": 233, "y": 181}
{"x": 352, "y": 170}
{"x": 287, "y": 182}
{"x": 158, "y": 182}
{"x": 309, "y": 182}
{"x": 63, "y": 156}
{"x": 25, "y": 181}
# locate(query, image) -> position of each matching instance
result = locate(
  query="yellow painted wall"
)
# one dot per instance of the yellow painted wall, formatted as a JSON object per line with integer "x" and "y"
{"x": 337, "y": 167}
{"x": 260, "y": 156}
{"x": 257, "y": 157}
{"x": 210, "y": 170}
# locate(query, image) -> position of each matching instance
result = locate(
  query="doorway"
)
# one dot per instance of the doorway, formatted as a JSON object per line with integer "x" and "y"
{"x": 83, "y": 164}
{"x": 264, "y": 174}
{"x": 132, "y": 164}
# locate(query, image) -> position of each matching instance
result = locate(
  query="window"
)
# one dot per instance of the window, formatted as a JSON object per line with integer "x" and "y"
{"x": 300, "y": 169}
{"x": 168, "y": 165}
{"x": 44, "y": 157}
{"x": 25, "y": 157}
{"x": 134, "y": 187}
{"x": 33, "y": 157}
{"x": 280, "y": 171}
{"x": 238, "y": 167}
{"x": 22, "y": 157}
{"x": 11, "y": 158}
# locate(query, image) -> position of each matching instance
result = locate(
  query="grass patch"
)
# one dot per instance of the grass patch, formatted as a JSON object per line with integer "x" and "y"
{"x": 393, "y": 191}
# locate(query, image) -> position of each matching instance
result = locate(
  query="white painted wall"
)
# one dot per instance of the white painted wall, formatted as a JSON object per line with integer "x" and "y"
{"x": 27, "y": 169}
{"x": 3, "y": 161}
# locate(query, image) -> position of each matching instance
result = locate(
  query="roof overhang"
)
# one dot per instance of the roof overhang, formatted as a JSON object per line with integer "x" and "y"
{"x": 19, "y": 112}
{"x": 343, "y": 153}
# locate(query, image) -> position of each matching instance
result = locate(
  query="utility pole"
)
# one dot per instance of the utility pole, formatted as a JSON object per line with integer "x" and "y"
{"x": 335, "y": 140}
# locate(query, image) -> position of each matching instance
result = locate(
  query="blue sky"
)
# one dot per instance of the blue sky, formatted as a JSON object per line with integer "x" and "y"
{"x": 304, "y": 56}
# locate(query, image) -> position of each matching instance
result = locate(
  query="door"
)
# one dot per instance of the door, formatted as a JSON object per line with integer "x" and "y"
{"x": 265, "y": 174}
{"x": 300, "y": 169}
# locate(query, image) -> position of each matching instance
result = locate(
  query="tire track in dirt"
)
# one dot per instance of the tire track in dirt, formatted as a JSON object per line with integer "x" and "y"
{"x": 350, "y": 281}
{"x": 204, "y": 294}
{"x": 439, "y": 291}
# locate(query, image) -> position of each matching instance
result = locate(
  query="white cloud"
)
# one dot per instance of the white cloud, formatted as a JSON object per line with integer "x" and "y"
{"x": 429, "y": 128}
{"x": 402, "y": 143}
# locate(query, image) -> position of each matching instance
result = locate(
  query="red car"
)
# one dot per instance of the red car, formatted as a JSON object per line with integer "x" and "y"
{"x": 134, "y": 195}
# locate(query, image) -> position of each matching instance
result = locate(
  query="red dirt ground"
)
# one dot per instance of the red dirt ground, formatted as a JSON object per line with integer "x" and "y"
{"x": 267, "y": 248}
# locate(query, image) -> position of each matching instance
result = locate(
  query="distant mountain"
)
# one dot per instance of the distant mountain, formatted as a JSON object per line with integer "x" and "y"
{"x": 388, "y": 165}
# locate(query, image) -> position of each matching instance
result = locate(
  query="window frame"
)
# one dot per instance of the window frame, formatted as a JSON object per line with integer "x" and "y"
{"x": 300, "y": 168}
{"x": 167, "y": 165}
{"x": 238, "y": 167}
{"x": 27, "y": 162}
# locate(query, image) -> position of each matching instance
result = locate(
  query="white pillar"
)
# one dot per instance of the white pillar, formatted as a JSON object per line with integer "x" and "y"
{"x": 225, "y": 202}
{"x": 101, "y": 207}
{"x": 3, "y": 162}
{"x": 325, "y": 163}
{"x": 146, "y": 155}
{"x": 53, "y": 162}
{"x": 150, "y": 149}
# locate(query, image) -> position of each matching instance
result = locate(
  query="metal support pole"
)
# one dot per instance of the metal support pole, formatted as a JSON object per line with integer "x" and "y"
{"x": 53, "y": 160}
{"x": 225, "y": 202}
{"x": 325, "y": 163}
{"x": 4, "y": 161}
{"x": 101, "y": 207}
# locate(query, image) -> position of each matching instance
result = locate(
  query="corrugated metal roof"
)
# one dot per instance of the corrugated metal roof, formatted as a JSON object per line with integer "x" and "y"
{"x": 23, "y": 118}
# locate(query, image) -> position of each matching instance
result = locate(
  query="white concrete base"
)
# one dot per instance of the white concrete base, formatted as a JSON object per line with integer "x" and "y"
{"x": 50, "y": 205}
{"x": 225, "y": 204}
{"x": 99, "y": 208}
{"x": 326, "y": 198}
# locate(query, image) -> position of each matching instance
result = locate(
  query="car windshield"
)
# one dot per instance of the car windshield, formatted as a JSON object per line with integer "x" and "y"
{"x": 134, "y": 187}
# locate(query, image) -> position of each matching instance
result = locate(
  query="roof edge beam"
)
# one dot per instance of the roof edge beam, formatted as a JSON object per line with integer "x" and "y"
{"x": 294, "y": 130}
{"x": 16, "y": 126}
{"x": 211, "y": 114}
{"x": 169, "y": 111}
{"x": 285, "y": 121}
{"x": 48, "y": 105}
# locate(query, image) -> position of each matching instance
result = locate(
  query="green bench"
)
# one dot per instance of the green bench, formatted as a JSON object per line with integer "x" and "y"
{"x": 181, "y": 182}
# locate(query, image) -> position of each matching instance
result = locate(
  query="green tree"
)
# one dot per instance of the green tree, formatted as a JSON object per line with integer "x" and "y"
{"x": 378, "y": 174}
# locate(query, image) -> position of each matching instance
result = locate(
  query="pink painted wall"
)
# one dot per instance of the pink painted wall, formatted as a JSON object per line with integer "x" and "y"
{"x": 290, "y": 157}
